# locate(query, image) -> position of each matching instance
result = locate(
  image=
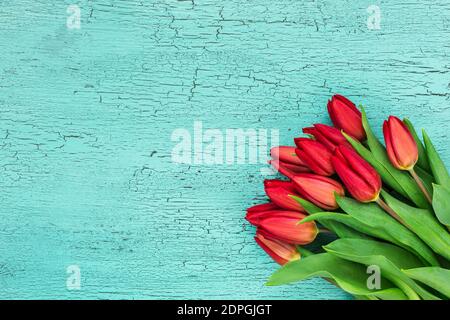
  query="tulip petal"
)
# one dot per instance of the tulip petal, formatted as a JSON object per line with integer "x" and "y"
{"x": 389, "y": 148}
{"x": 319, "y": 190}
{"x": 315, "y": 155}
{"x": 276, "y": 183}
{"x": 278, "y": 165}
{"x": 403, "y": 144}
{"x": 360, "y": 166}
{"x": 329, "y": 136}
{"x": 263, "y": 207}
{"x": 280, "y": 193}
{"x": 347, "y": 102}
{"x": 256, "y": 217}
{"x": 295, "y": 168}
{"x": 357, "y": 186}
{"x": 286, "y": 154}
{"x": 284, "y": 226}
{"x": 310, "y": 130}
{"x": 255, "y": 213}
{"x": 279, "y": 251}
{"x": 315, "y": 166}
{"x": 320, "y": 137}
{"x": 346, "y": 116}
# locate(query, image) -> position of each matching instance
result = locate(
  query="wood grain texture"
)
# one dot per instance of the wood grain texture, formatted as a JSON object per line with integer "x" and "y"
{"x": 86, "y": 118}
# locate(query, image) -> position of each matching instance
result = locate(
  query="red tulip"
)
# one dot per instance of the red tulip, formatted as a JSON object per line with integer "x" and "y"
{"x": 284, "y": 226}
{"x": 361, "y": 180}
{"x": 263, "y": 207}
{"x": 286, "y": 154}
{"x": 400, "y": 144}
{"x": 281, "y": 192}
{"x": 279, "y": 251}
{"x": 346, "y": 116}
{"x": 318, "y": 189}
{"x": 294, "y": 168}
{"x": 255, "y": 217}
{"x": 315, "y": 155}
{"x": 329, "y": 136}
{"x": 286, "y": 161}
{"x": 255, "y": 213}
{"x": 287, "y": 169}
{"x": 275, "y": 183}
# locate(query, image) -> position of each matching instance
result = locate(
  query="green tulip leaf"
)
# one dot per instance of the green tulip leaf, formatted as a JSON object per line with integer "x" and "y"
{"x": 387, "y": 227}
{"x": 341, "y": 230}
{"x": 406, "y": 182}
{"x": 390, "y": 259}
{"x": 308, "y": 206}
{"x": 440, "y": 173}
{"x": 350, "y": 222}
{"x": 441, "y": 204}
{"x": 423, "y": 159}
{"x": 423, "y": 223}
{"x": 334, "y": 216}
{"x": 366, "y": 298}
{"x": 434, "y": 277}
{"x": 304, "y": 252}
{"x": 351, "y": 277}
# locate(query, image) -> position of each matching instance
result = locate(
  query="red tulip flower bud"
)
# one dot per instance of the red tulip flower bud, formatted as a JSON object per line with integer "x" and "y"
{"x": 263, "y": 207}
{"x": 318, "y": 189}
{"x": 286, "y": 154}
{"x": 287, "y": 169}
{"x": 256, "y": 216}
{"x": 281, "y": 192}
{"x": 315, "y": 155}
{"x": 360, "y": 178}
{"x": 345, "y": 116}
{"x": 253, "y": 213}
{"x": 281, "y": 252}
{"x": 286, "y": 161}
{"x": 329, "y": 136}
{"x": 400, "y": 144}
{"x": 284, "y": 226}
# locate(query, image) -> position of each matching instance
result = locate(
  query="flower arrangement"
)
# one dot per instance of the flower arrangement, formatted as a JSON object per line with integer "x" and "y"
{"x": 387, "y": 209}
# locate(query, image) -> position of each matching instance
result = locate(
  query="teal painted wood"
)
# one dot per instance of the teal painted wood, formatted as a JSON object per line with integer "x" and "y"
{"x": 86, "y": 118}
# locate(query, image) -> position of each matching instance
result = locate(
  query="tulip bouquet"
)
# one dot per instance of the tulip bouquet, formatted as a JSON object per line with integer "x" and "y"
{"x": 380, "y": 214}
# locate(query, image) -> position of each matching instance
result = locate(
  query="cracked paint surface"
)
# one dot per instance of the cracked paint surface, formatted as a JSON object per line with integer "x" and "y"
{"x": 86, "y": 118}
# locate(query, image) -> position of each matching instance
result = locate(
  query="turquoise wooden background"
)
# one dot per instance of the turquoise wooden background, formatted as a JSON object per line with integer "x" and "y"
{"x": 86, "y": 118}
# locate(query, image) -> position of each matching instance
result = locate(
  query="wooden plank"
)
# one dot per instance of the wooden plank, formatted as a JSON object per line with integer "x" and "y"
{"x": 86, "y": 118}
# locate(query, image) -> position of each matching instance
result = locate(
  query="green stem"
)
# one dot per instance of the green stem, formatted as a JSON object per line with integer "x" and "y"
{"x": 324, "y": 230}
{"x": 420, "y": 184}
{"x": 389, "y": 210}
